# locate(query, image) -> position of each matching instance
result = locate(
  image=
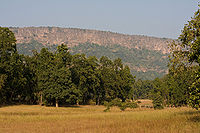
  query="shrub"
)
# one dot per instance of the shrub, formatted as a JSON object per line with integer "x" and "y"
{"x": 122, "y": 105}
{"x": 132, "y": 105}
{"x": 91, "y": 102}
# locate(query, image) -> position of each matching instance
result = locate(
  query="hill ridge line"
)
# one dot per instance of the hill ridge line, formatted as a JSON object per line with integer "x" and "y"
{"x": 74, "y": 36}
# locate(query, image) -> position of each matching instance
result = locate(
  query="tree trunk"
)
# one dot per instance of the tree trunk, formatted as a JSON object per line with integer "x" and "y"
{"x": 98, "y": 101}
{"x": 56, "y": 102}
{"x": 40, "y": 99}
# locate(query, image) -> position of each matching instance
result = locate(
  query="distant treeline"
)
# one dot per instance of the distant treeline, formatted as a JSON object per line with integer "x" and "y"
{"x": 172, "y": 90}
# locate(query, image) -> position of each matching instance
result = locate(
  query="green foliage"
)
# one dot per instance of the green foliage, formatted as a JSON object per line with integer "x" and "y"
{"x": 134, "y": 58}
{"x": 173, "y": 88}
{"x": 107, "y": 105}
{"x": 66, "y": 79}
{"x": 157, "y": 101}
{"x": 117, "y": 79}
{"x": 16, "y": 77}
{"x": 194, "y": 99}
{"x": 141, "y": 89}
{"x": 54, "y": 76}
{"x": 179, "y": 83}
{"x": 122, "y": 105}
{"x": 131, "y": 105}
{"x": 85, "y": 76}
{"x": 33, "y": 45}
{"x": 153, "y": 61}
{"x": 185, "y": 55}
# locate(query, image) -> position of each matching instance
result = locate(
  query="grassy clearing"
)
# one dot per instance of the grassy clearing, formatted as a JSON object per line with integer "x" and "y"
{"x": 92, "y": 119}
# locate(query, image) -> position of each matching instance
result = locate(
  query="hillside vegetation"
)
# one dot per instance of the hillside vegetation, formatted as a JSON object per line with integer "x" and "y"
{"x": 75, "y": 36}
{"x": 146, "y": 56}
{"x": 144, "y": 64}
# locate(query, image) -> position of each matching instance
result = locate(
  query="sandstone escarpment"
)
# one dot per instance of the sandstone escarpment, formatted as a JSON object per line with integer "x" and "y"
{"x": 74, "y": 36}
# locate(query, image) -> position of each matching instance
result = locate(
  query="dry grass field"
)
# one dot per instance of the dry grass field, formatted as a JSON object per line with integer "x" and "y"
{"x": 92, "y": 119}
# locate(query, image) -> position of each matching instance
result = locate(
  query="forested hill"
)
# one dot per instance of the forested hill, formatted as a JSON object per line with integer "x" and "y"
{"x": 146, "y": 56}
{"x": 73, "y": 36}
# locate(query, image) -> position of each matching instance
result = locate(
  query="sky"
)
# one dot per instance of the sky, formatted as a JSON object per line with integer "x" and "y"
{"x": 158, "y": 18}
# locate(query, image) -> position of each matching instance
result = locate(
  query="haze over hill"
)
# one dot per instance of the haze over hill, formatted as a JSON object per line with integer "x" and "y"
{"x": 146, "y": 56}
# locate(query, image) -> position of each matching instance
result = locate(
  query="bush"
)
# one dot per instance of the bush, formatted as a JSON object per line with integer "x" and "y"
{"x": 122, "y": 105}
{"x": 107, "y": 105}
{"x": 132, "y": 105}
{"x": 116, "y": 102}
{"x": 91, "y": 102}
{"x": 107, "y": 109}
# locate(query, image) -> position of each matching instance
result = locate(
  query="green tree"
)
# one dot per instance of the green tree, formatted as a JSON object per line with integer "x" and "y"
{"x": 7, "y": 49}
{"x": 29, "y": 72}
{"x": 86, "y": 77}
{"x": 16, "y": 78}
{"x": 54, "y": 77}
{"x": 157, "y": 101}
{"x": 126, "y": 83}
{"x": 43, "y": 62}
{"x": 186, "y": 52}
{"x": 108, "y": 78}
{"x": 141, "y": 89}
{"x": 117, "y": 79}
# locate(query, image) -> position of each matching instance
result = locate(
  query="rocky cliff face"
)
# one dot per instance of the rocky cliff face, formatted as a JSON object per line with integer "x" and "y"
{"x": 73, "y": 36}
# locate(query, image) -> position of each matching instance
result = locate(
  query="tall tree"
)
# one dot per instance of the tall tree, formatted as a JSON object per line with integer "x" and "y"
{"x": 7, "y": 49}
{"x": 85, "y": 76}
{"x": 108, "y": 78}
{"x": 15, "y": 74}
{"x": 54, "y": 77}
{"x": 43, "y": 63}
{"x": 186, "y": 52}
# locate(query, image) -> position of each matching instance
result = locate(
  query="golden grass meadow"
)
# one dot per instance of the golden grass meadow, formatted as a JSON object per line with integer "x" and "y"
{"x": 92, "y": 119}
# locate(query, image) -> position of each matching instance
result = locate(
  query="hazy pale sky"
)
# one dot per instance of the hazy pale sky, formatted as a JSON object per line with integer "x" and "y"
{"x": 159, "y": 18}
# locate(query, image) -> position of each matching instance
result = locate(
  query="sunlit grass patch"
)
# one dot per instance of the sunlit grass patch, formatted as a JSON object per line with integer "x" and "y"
{"x": 27, "y": 118}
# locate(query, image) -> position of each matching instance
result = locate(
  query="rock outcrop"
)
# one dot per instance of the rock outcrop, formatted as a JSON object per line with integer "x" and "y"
{"x": 74, "y": 36}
